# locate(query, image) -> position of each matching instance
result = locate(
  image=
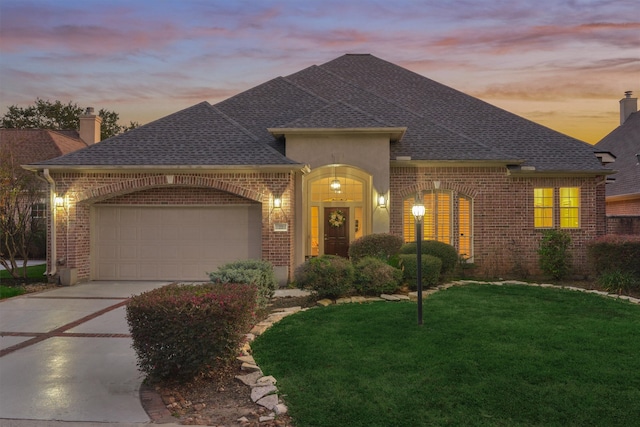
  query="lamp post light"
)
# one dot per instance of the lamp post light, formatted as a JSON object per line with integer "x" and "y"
{"x": 418, "y": 212}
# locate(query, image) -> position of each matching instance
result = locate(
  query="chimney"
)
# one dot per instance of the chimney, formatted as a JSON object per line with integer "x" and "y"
{"x": 628, "y": 106}
{"x": 90, "y": 127}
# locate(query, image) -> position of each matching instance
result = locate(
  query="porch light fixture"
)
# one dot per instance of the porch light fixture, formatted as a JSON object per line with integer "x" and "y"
{"x": 418, "y": 212}
{"x": 335, "y": 184}
{"x": 59, "y": 201}
{"x": 277, "y": 202}
{"x": 382, "y": 202}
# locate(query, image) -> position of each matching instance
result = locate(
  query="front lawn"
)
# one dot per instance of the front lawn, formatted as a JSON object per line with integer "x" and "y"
{"x": 10, "y": 287}
{"x": 486, "y": 356}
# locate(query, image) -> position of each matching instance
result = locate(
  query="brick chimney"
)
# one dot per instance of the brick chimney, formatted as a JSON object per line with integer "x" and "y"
{"x": 90, "y": 127}
{"x": 628, "y": 106}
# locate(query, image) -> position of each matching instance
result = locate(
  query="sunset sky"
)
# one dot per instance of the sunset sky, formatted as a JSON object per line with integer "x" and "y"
{"x": 562, "y": 63}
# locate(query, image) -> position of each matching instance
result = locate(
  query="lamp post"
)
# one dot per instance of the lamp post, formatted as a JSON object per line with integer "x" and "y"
{"x": 418, "y": 212}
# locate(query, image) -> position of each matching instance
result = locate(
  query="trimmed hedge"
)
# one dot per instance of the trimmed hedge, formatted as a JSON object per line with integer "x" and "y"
{"x": 446, "y": 253}
{"x": 181, "y": 331}
{"x": 431, "y": 266}
{"x": 375, "y": 277}
{"x": 381, "y": 245}
{"x": 614, "y": 252}
{"x": 329, "y": 276}
{"x": 252, "y": 272}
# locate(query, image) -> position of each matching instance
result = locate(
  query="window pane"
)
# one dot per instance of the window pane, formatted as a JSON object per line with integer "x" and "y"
{"x": 443, "y": 218}
{"x": 408, "y": 221}
{"x": 464, "y": 227}
{"x": 315, "y": 232}
{"x": 570, "y": 207}
{"x": 543, "y": 207}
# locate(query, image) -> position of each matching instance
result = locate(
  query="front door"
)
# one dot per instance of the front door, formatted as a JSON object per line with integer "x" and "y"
{"x": 336, "y": 231}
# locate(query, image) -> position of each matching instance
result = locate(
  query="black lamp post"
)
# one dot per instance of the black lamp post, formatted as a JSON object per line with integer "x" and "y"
{"x": 418, "y": 212}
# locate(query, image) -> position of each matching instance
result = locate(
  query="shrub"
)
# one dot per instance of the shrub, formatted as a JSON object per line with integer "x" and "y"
{"x": 382, "y": 246}
{"x": 615, "y": 253}
{"x": 329, "y": 276}
{"x": 618, "y": 281}
{"x": 180, "y": 331}
{"x": 554, "y": 255}
{"x": 431, "y": 266}
{"x": 251, "y": 272}
{"x": 375, "y": 277}
{"x": 445, "y": 252}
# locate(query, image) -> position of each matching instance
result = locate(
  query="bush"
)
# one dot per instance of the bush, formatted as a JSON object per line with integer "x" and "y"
{"x": 375, "y": 277}
{"x": 445, "y": 252}
{"x": 618, "y": 281}
{"x": 430, "y": 270}
{"x": 251, "y": 272}
{"x": 554, "y": 255}
{"x": 615, "y": 253}
{"x": 180, "y": 331}
{"x": 330, "y": 276}
{"x": 383, "y": 246}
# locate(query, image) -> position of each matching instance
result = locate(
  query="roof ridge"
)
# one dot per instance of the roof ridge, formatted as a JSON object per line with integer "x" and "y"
{"x": 233, "y": 122}
{"x": 411, "y": 111}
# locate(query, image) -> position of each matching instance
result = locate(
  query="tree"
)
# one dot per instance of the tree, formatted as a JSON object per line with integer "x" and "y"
{"x": 20, "y": 192}
{"x": 58, "y": 116}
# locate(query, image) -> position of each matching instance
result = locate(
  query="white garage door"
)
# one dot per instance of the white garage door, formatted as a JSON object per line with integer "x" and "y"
{"x": 171, "y": 243}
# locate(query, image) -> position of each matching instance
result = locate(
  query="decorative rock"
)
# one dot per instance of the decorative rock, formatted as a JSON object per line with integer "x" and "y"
{"x": 243, "y": 420}
{"x": 388, "y": 297}
{"x": 247, "y": 359}
{"x": 343, "y": 301}
{"x": 324, "y": 302}
{"x": 269, "y": 380}
{"x": 291, "y": 310}
{"x": 270, "y": 401}
{"x": 258, "y": 393}
{"x": 249, "y": 367}
{"x": 413, "y": 296}
{"x": 266, "y": 418}
{"x": 249, "y": 337}
{"x": 281, "y": 408}
{"x": 260, "y": 328}
{"x": 250, "y": 379}
{"x": 358, "y": 300}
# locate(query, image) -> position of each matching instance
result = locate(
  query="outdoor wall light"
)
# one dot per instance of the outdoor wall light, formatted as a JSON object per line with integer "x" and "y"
{"x": 418, "y": 212}
{"x": 277, "y": 202}
{"x": 59, "y": 201}
{"x": 382, "y": 202}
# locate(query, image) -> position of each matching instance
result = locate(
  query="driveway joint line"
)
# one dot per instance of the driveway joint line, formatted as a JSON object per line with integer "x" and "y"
{"x": 60, "y": 331}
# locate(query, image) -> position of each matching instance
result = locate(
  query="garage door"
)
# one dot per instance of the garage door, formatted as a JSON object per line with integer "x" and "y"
{"x": 171, "y": 243}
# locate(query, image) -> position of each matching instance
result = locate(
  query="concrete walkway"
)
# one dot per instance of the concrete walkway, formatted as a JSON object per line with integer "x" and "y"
{"x": 66, "y": 356}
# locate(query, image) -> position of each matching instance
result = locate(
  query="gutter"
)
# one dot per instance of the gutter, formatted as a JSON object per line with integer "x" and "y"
{"x": 52, "y": 223}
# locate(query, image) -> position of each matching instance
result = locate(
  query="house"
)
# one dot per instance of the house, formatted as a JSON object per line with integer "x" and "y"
{"x": 302, "y": 165}
{"x": 623, "y": 190}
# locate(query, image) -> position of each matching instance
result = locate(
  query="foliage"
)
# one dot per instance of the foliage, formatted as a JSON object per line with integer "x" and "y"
{"x": 10, "y": 291}
{"x": 618, "y": 281}
{"x": 486, "y": 356}
{"x": 381, "y": 245}
{"x": 554, "y": 255}
{"x": 445, "y": 252}
{"x": 58, "y": 116}
{"x": 615, "y": 253}
{"x": 431, "y": 266}
{"x": 373, "y": 276}
{"x": 252, "y": 272}
{"x": 180, "y": 331}
{"x": 329, "y": 276}
{"x": 20, "y": 190}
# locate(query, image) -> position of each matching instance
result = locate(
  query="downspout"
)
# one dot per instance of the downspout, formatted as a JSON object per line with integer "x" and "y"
{"x": 52, "y": 223}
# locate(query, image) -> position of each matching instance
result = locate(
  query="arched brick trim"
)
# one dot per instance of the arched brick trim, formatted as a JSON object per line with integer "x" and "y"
{"x": 124, "y": 187}
{"x": 427, "y": 186}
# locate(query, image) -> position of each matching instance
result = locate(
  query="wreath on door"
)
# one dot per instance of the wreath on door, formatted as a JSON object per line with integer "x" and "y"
{"x": 336, "y": 219}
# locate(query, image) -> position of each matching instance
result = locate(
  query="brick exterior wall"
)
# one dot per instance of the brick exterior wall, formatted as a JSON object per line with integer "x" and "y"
{"x": 505, "y": 240}
{"x": 85, "y": 190}
{"x": 622, "y": 224}
{"x": 624, "y": 207}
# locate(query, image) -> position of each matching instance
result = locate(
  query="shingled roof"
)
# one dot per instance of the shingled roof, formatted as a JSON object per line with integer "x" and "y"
{"x": 35, "y": 145}
{"x": 352, "y": 91}
{"x": 624, "y": 143}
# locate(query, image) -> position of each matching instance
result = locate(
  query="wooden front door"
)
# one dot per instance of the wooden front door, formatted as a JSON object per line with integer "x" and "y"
{"x": 336, "y": 231}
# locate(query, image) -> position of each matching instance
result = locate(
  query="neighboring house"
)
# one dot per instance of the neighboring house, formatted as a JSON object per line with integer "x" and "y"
{"x": 23, "y": 146}
{"x": 623, "y": 192}
{"x": 302, "y": 165}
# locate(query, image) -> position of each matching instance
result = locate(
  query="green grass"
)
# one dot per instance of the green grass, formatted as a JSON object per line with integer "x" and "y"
{"x": 486, "y": 356}
{"x": 8, "y": 286}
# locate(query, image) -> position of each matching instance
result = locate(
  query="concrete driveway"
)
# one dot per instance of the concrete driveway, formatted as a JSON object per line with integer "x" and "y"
{"x": 66, "y": 355}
